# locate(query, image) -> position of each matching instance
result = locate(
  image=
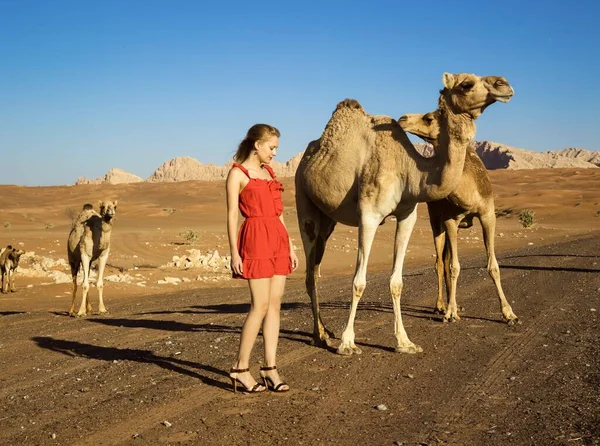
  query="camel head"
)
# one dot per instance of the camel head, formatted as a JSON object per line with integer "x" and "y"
{"x": 108, "y": 209}
{"x": 472, "y": 94}
{"x": 425, "y": 126}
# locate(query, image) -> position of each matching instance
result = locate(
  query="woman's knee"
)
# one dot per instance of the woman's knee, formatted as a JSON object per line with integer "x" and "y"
{"x": 260, "y": 308}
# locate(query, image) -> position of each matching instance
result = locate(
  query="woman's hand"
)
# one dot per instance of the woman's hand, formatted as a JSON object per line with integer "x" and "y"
{"x": 237, "y": 264}
{"x": 294, "y": 259}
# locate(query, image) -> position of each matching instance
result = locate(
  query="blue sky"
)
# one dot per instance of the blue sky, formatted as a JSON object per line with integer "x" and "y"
{"x": 87, "y": 86}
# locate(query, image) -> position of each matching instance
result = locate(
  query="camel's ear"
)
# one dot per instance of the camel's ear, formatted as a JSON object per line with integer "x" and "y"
{"x": 448, "y": 80}
{"x": 115, "y": 203}
{"x": 100, "y": 204}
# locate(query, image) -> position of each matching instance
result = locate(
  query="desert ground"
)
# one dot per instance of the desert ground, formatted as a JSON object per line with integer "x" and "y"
{"x": 154, "y": 369}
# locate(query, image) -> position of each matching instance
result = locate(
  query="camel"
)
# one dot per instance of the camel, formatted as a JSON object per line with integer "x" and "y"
{"x": 89, "y": 240}
{"x": 9, "y": 261}
{"x": 472, "y": 198}
{"x": 364, "y": 168}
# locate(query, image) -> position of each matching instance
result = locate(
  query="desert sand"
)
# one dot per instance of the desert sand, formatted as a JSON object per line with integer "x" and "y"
{"x": 153, "y": 371}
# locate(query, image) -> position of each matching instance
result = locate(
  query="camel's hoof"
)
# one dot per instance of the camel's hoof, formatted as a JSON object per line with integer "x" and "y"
{"x": 80, "y": 314}
{"x": 413, "y": 348}
{"x": 102, "y": 313}
{"x": 439, "y": 311}
{"x": 452, "y": 318}
{"x": 514, "y": 321}
{"x": 348, "y": 350}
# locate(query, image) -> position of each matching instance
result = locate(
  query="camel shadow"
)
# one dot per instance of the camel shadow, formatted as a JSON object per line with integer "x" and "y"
{"x": 550, "y": 268}
{"x": 152, "y": 324}
{"x": 110, "y": 354}
{"x": 548, "y": 255}
{"x": 10, "y": 313}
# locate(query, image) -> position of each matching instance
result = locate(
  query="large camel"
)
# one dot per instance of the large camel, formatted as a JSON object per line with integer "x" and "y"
{"x": 364, "y": 168}
{"x": 472, "y": 198}
{"x": 89, "y": 240}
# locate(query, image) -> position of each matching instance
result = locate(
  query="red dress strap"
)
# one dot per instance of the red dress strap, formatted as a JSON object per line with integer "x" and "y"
{"x": 270, "y": 170}
{"x": 242, "y": 168}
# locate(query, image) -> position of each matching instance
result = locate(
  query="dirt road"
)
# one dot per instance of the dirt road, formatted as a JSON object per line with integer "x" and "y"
{"x": 154, "y": 371}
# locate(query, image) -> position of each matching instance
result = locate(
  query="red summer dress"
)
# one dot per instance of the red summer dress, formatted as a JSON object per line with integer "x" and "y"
{"x": 263, "y": 241}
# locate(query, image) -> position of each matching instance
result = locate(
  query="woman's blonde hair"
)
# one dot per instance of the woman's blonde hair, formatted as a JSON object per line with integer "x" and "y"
{"x": 258, "y": 132}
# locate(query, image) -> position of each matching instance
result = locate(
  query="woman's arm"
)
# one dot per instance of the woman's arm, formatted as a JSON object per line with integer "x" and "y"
{"x": 233, "y": 186}
{"x": 293, "y": 256}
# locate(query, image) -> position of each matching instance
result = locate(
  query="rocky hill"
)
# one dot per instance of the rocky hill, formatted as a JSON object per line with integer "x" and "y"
{"x": 113, "y": 176}
{"x": 500, "y": 156}
{"x": 494, "y": 156}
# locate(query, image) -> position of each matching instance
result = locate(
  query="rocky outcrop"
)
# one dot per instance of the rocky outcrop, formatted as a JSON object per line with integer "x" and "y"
{"x": 494, "y": 156}
{"x": 113, "y": 176}
{"x": 500, "y": 156}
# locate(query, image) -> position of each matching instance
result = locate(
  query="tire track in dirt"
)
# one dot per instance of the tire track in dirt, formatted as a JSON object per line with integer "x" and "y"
{"x": 476, "y": 391}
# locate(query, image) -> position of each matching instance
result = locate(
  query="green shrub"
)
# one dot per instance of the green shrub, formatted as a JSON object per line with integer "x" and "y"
{"x": 49, "y": 225}
{"x": 7, "y": 224}
{"x": 527, "y": 218}
{"x": 189, "y": 235}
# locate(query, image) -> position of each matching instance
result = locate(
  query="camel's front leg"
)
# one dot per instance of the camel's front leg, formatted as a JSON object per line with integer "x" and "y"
{"x": 11, "y": 279}
{"x": 488, "y": 224}
{"x": 439, "y": 239}
{"x": 100, "y": 281}
{"x": 366, "y": 234}
{"x": 452, "y": 240}
{"x": 404, "y": 228}
{"x": 5, "y": 281}
{"x": 72, "y": 309}
{"x": 85, "y": 286}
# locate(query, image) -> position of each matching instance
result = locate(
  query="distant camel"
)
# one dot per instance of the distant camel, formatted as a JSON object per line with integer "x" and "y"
{"x": 9, "y": 261}
{"x": 364, "y": 168}
{"x": 472, "y": 198}
{"x": 89, "y": 240}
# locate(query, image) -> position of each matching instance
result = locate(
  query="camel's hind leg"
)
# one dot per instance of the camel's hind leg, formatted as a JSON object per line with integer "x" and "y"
{"x": 315, "y": 229}
{"x": 404, "y": 227}
{"x": 488, "y": 225}
{"x": 451, "y": 259}
{"x": 100, "y": 281}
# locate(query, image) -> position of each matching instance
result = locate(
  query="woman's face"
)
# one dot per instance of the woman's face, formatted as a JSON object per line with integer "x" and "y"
{"x": 266, "y": 149}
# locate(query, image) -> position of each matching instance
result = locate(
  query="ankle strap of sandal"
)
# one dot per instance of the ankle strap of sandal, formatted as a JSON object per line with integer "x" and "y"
{"x": 266, "y": 369}
{"x": 239, "y": 370}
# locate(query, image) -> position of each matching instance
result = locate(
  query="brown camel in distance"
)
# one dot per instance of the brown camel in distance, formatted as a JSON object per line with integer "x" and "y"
{"x": 89, "y": 240}
{"x": 9, "y": 262}
{"x": 472, "y": 198}
{"x": 364, "y": 168}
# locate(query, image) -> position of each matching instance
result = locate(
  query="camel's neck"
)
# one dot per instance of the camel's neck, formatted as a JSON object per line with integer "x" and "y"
{"x": 106, "y": 227}
{"x": 443, "y": 172}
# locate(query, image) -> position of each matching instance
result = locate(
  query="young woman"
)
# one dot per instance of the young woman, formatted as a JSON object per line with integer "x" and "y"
{"x": 262, "y": 252}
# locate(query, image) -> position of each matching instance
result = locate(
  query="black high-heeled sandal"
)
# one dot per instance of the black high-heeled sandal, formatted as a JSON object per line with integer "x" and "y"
{"x": 233, "y": 376}
{"x": 267, "y": 380}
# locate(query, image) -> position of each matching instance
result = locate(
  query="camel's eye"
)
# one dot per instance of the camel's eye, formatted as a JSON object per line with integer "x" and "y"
{"x": 466, "y": 85}
{"x": 499, "y": 83}
{"x": 427, "y": 119}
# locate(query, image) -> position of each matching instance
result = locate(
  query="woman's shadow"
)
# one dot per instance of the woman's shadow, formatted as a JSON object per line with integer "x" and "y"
{"x": 78, "y": 349}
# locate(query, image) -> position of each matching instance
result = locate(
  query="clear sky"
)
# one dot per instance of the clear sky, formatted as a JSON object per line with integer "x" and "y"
{"x": 90, "y": 85}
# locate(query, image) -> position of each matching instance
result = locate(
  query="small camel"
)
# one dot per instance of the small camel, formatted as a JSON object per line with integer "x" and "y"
{"x": 364, "y": 168}
{"x": 89, "y": 240}
{"x": 472, "y": 198}
{"x": 9, "y": 261}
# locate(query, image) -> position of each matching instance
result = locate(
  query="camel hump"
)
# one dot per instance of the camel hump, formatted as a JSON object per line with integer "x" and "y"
{"x": 349, "y": 103}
